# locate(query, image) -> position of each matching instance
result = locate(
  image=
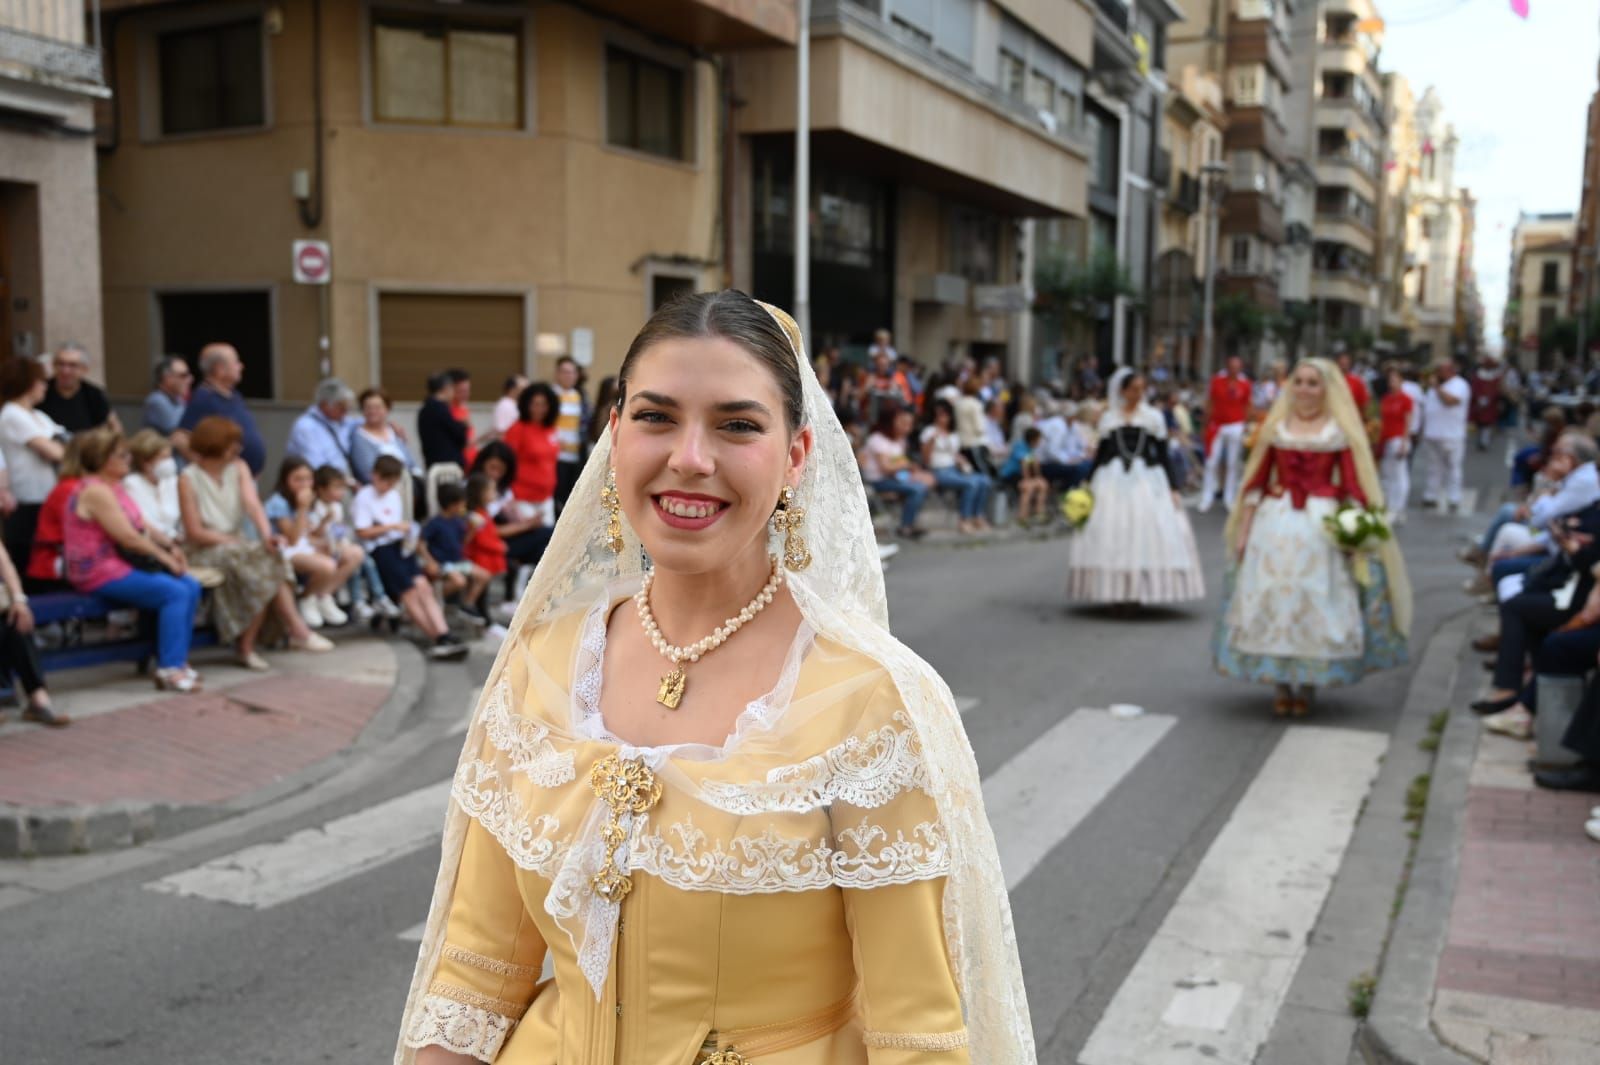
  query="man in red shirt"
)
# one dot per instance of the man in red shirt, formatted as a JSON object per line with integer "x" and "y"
{"x": 1394, "y": 445}
{"x": 1227, "y": 407}
{"x": 1358, "y": 387}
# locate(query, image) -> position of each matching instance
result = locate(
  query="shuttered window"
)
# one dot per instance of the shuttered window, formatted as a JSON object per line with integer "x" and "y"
{"x": 422, "y": 333}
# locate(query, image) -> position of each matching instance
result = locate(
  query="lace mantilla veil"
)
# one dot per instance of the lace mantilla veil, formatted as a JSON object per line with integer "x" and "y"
{"x": 841, "y": 596}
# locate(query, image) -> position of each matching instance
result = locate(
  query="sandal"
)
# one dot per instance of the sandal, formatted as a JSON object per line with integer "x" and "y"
{"x": 1299, "y": 706}
{"x": 44, "y": 715}
{"x": 1282, "y": 705}
{"x": 1515, "y": 722}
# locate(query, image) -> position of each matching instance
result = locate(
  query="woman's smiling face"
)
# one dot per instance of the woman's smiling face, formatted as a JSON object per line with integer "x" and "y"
{"x": 701, "y": 452}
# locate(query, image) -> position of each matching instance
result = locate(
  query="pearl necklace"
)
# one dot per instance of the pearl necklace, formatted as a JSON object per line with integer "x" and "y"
{"x": 670, "y": 694}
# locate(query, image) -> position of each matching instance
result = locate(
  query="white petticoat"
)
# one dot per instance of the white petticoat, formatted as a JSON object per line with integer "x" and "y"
{"x": 1295, "y": 596}
{"x": 1137, "y": 546}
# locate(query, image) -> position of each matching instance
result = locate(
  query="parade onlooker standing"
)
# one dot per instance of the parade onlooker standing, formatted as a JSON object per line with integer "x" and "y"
{"x": 505, "y": 408}
{"x": 534, "y": 440}
{"x": 1356, "y": 383}
{"x": 1395, "y": 412}
{"x": 376, "y": 435}
{"x": 443, "y": 437}
{"x": 218, "y": 395}
{"x": 1227, "y": 410}
{"x": 460, "y": 409}
{"x": 1487, "y": 389}
{"x": 163, "y": 407}
{"x": 1444, "y": 435}
{"x": 217, "y": 496}
{"x": 104, "y": 529}
{"x": 571, "y": 420}
{"x": 32, "y": 444}
{"x": 73, "y": 401}
{"x": 321, "y": 435}
{"x": 886, "y": 388}
{"x": 1418, "y": 400}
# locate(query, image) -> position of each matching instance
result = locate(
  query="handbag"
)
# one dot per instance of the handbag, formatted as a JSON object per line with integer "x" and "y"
{"x": 142, "y": 562}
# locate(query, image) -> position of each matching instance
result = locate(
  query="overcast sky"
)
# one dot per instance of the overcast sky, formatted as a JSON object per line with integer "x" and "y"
{"x": 1517, "y": 93}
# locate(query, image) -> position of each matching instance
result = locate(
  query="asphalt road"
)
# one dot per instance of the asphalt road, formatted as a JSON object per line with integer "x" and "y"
{"x": 104, "y": 971}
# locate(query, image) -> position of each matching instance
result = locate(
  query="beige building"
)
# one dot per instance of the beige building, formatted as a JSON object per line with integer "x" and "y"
{"x": 1399, "y": 227}
{"x": 1193, "y": 123}
{"x": 1541, "y": 279}
{"x": 1441, "y": 231}
{"x": 497, "y": 183}
{"x": 50, "y": 80}
{"x": 939, "y": 134}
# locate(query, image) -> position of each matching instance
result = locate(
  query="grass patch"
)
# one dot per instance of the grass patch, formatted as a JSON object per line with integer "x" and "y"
{"x": 1436, "y": 726}
{"x": 1362, "y": 988}
{"x": 1417, "y": 798}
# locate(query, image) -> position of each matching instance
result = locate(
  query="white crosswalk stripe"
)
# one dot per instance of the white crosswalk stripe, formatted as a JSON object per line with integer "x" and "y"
{"x": 1209, "y": 984}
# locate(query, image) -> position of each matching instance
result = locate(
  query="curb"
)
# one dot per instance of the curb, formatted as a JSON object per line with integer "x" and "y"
{"x": 1399, "y": 1028}
{"x": 25, "y": 833}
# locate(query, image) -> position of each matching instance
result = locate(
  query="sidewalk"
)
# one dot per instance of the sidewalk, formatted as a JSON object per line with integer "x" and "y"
{"x": 136, "y": 763}
{"x": 1495, "y": 957}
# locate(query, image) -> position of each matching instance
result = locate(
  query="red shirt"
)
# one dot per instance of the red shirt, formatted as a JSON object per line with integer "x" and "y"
{"x": 460, "y": 413}
{"x": 485, "y": 547}
{"x": 1395, "y": 412}
{"x": 538, "y": 449}
{"x": 44, "y": 563}
{"x": 1358, "y": 391}
{"x": 1230, "y": 399}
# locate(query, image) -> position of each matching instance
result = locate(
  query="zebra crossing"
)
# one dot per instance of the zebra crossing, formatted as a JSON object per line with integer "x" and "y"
{"x": 1207, "y": 986}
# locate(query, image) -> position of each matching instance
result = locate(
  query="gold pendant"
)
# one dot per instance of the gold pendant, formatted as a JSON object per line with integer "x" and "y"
{"x": 670, "y": 694}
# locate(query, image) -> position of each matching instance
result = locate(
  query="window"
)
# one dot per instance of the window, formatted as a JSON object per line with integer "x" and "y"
{"x": 1550, "y": 279}
{"x": 1012, "y": 74}
{"x": 975, "y": 246}
{"x": 1427, "y": 226}
{"x": 438, "y": 71}
{"x": 211, "y": 78}
{"x": 1041, "y": 92}
{"x": 945, "y": 26}
{"x": 1547, "y": 318}
{"x": 1239, "y": 256}
{"x": 664, "y": 288}
{"x": 191, "y": 320}
{"x": 646, "y": 105}
{"x": 420, "y": 332}
{"x": 1245, "y": 86}
{"x": 1422, "y": 284}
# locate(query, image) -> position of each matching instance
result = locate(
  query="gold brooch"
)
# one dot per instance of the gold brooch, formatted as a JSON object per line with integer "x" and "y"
{"x": 626, "y": 786}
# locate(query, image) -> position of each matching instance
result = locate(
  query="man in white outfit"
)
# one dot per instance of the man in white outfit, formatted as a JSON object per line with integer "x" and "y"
{"x": 1444, "y": 436}
{"x": 1227, "y": 410}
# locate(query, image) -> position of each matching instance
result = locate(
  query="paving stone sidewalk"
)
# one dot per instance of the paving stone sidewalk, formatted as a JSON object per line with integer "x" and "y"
{"x": 137, "y": 763}
{"x": 1519, "y": 979}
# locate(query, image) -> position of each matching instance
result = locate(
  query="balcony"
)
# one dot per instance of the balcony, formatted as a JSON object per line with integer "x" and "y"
{"x": 42, "y": 42}
{"x": 1253, "y": 213}
{"x": 1339, "y": 168}
{"x": 711, "y": 24}
{"x": 1258, "y": 41}
{"x": 1348, "y": 286}
{"x": 1259, "y": 129}
{"x": 1347, "y": 227}
{"x": 1257, "y": 288}
{"x": 1118, "y": 12}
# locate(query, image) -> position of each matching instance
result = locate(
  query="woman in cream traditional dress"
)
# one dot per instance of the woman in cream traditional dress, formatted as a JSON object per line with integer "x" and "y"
{"x": 739, "y": 821}
{"x": 1298, "y": 612}
{"x": 1137, "y": 546}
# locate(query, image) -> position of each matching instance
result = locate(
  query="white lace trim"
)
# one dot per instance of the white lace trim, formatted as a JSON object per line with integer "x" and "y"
{"x": 866, "y": 771}
{"x": 866, "y": 858}
{"x": 526, "y": 741}
{"x": 458, "y": 1027}
{"x": 530, "y": 840}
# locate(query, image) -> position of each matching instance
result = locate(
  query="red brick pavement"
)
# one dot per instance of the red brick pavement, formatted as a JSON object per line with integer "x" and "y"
{"x": 188, "y": 748}
{"x": 1525, "y": 923}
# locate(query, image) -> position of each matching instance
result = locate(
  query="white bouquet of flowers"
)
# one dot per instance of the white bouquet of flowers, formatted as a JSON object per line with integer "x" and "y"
{"x": 1358, "y": 530}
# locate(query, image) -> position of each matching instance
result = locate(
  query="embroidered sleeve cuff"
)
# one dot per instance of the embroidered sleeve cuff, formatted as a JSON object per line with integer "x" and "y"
{"x": 458, "y": 1027}
{"x": 931, "y": 1042}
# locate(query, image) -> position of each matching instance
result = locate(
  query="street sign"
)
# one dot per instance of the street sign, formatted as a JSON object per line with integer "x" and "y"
{"x": 583, "y": 346}
{"x": 313, "y": 262}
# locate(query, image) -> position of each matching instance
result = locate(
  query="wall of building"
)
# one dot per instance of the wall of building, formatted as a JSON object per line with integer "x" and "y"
{"x": 549, "y": 211}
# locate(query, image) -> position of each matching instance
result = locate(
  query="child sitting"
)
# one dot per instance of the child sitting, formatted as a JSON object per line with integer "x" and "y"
{"x": 365, "y": 588}
{"x": 442, "y": 545}
{"x": 379, "y": 517}
{"x": 1033, "y": 491}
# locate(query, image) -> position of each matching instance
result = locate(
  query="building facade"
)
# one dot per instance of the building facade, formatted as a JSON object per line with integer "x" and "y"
{"x": 1540, "y": 289}
{"x": 1441, "y": 227}
{"x": 498, "y": 184}
{"x": 1586, "y": 240}
{"x": 1399, "y": 226}
{"x": 1194, "y": 120}
{"x": 50, "y": 81}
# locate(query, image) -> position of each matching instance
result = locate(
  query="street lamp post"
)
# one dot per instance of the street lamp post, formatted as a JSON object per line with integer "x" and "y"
{"x": 802, "y": 175}
{"x": 1212, "y": 174}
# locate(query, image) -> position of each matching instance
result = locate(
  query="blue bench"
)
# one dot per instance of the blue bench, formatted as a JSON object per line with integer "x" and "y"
{"x": 71, "y": 610}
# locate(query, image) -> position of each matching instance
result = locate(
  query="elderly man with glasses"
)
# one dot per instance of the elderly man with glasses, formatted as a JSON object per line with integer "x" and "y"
{"x": 321, "y": 435}
{"x": 163, "y": 407}
{"x": 72, "y": 400}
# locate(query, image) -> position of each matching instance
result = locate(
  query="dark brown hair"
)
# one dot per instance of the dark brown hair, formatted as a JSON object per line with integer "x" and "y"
{"x": 369, "y": 393}
{"x": 731, "y": 315}
{"x": 18, "y": 376}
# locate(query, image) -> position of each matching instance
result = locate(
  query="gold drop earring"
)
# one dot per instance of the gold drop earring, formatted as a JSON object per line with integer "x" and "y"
{"x": 610, "y": 503}
{"x": 787, "y": 519}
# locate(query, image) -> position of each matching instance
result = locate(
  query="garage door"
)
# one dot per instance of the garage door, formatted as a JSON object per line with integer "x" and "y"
{"x": 422, "y": 333}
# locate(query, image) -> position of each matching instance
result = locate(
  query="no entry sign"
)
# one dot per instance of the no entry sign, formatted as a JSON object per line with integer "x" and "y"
{"x": 313, "y": 263}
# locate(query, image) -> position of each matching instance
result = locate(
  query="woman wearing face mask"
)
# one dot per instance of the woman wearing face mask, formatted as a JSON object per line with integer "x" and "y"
{"x": 153, "y": 482}
{"x": 1137, "y": 546}
{"x": 1294, "y": 614}
{"x": 739, "y": 820}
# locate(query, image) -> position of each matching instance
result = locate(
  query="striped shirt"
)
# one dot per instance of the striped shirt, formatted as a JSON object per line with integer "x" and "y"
{"x": 569, "y": 426}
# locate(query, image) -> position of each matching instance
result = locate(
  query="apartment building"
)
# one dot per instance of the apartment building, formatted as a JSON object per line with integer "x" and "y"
{"x": 1441, "y": 230}
{"x": 1586, "y": 241}
{"x": 1193, "y": 122}
{"x": 497, "y": 183}
{"x": 1339, "y": 127}
{"x": 941, "y": 130}
{"x": 1399, "y": 223}
{"x": 50, "y": 81}
{"x": 1540, "y": 287}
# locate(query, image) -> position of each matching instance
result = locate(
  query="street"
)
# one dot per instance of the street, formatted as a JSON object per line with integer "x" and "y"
{"x": 1105, "y": 821}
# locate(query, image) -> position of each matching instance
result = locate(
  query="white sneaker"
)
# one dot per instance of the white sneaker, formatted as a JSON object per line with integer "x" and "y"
{"x": 387, "y": 608}
{"x": 504, "y": 613}
{"x": 330, "y": 611}
{"x": 310, "y": 612}
{"x": 1593, "y": 829}
{"x": 1594, "y": 815}
{"x": 365, "y": 612}
{"x": 313, "y": 643}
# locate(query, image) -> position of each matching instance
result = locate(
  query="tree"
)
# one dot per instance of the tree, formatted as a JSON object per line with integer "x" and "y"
{"x": 1239, "y": 321}
{"x": 1290, "y": 325}
{"x": 1076, "y": 295}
